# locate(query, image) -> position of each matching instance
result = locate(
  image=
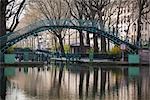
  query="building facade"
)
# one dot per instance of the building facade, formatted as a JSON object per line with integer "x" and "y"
{"x": 127, "y": 24}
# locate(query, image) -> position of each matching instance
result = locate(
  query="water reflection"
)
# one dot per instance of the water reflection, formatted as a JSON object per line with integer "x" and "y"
{"x": 66, "y": 82}
{"x": 2, "y": 84}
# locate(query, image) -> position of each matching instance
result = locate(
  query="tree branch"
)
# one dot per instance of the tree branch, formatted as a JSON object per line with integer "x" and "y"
{"x": 16, "y": 17}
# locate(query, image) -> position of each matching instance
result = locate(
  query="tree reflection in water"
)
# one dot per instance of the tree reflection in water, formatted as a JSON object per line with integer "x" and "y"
{"x": 2, "y": 84}
{"x": 87, "y": 81}
{"x": 82, "y": 72}
{"x": 56, "y": 84}
{"x": 68, "y": 82}
{"x": 95, "y": 81}
{"x": 103, "y": 81}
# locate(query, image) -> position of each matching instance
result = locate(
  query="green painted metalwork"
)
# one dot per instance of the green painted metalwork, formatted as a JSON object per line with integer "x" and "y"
{"x": 133, "y": 71}
{"x": 9, "y": 58}
{"x": 90, "y": 26}
{"x": 133, "y": 58}
{"x": 26, "y": 56}
{"x": 10, "y": 71}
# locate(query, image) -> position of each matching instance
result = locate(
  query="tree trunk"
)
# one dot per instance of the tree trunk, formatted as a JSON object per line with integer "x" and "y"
{"x": 55, "y": 43}
{"x": 103, "y": 44}
{"x": 2, "y": 17}
{"x": 138, "y": 30}
{"x": 95, "y": 38}
{"x": 95, "y": 84}
{"x": 81, "y": 41}
{"x": 108, "y": 40}
{"x": 103, "y": 81}
{"x": 108, "y": 44}
{"x": 81, "y": 84}
{"x": 2, "y": 25}
{"x": 87, "y": 82}
{"x": 87, "y": 39}
{"x": 61, "y": 44}
{"x": 3, "y": 80}
{"x": 118, "y": 18}
{"x": 61, "y": 74}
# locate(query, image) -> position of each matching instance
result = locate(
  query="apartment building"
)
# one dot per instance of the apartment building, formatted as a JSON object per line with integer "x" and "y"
{"x": 127, "y": 26}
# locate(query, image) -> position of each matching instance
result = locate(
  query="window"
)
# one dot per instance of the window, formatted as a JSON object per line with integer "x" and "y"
{"x": 146, "y": 25}
{"x": 124, "y": 10}
{"x": 121, "y": 28}
{"x": 121, "y": 21}
{"x": 134, "y": 27}
{"x": 124, "y": 19}
{"x": 128, "y": 18}
{"x": 121, "y": 10}
{"x": 125, "y": 28}
{"x": 142, "y": 27}
{"x": 128, "y": 9}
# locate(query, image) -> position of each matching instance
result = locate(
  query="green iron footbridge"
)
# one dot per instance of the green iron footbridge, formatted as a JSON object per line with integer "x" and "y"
{"x": 91, "y": 26}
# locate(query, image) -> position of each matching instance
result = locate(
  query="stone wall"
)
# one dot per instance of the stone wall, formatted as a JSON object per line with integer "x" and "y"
{"x": 144, "y": 56}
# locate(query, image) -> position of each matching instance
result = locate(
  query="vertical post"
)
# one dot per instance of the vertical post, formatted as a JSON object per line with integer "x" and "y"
{"x": 134, "y": 32}
{"x": 123, "y": 48}
{"x": 76, "y": 37}
{"x": 1, "y": 57}
{"x": 69, "y": 38}
{"x": 122, "y": 59}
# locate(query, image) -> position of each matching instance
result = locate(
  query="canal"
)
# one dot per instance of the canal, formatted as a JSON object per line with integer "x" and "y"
{"x": 74, "y": 82}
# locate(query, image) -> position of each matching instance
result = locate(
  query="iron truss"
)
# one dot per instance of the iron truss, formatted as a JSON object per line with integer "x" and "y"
{"x": 90, "y": 26}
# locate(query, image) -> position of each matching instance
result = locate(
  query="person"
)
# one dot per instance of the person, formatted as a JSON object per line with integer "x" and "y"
{"x": 32, "y": 59}
{"x": 17, "y": 59}
{"x": 21, "y": 58}
{"x": 91, "y": 54}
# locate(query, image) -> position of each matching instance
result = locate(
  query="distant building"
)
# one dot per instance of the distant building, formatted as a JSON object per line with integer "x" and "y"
{"x": 128, "y": 22}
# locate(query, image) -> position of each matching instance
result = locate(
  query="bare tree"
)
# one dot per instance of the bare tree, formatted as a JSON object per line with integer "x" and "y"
{"x": 77, "y": 11}
{"x": 99, "y": 6}
{"x": 143, "y": 8}
{"x": 90, "y": 10}
{"x": 90, "y": 14}
{"x": 57, "y": 10}
{"x": 10, "y": 12}
{"x": 13, "y": 13}
{"x": 108, "y": 14}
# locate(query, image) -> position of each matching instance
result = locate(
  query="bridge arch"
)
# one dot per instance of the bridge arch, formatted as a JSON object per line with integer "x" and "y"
{"x": 90, "y": 26}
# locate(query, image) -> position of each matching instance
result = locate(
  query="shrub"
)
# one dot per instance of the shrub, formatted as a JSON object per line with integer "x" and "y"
{"x": 11, "y": 49}
{"x": 66, "y": 48}
{"x": 115, "y": 50}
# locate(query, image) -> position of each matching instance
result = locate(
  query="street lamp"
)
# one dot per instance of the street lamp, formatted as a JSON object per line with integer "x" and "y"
{"x": 134, "y": 25}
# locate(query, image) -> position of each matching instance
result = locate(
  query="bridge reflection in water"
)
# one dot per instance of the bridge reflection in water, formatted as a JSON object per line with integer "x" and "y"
{"x": 68, "y": 82}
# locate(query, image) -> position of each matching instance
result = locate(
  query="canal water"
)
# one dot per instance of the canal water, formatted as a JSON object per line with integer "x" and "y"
{"x": 75, "y": 82}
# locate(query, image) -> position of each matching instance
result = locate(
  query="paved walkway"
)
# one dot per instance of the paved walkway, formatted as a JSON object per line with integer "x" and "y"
{"x": 22, "y": 64}
{"x": 102, "y": 62}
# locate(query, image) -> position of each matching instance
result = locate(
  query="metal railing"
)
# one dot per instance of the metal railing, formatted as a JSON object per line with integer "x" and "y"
{"x": 91, "y": 26}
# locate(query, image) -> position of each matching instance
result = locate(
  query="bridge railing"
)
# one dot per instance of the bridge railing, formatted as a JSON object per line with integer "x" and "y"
{"x": 53, "y": 22}
{"x": 89, "y": 25}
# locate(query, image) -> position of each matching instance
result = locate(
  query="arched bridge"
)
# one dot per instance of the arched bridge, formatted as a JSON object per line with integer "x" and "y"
{"x": 86, "y": 25}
